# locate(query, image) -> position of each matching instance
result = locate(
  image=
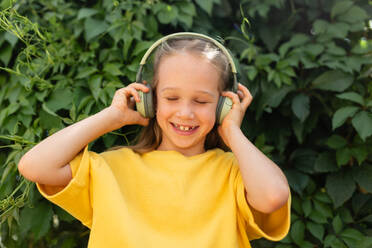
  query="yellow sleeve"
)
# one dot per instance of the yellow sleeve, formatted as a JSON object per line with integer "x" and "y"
{"x": 273, "y": 226}
{"x": 75, "y": 198}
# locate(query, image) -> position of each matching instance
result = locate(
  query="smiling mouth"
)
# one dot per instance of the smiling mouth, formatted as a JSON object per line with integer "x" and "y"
{"x": 184, "y": 128}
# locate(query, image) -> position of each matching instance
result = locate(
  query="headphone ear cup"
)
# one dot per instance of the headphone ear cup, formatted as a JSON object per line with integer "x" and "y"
{"x": 146, "y": 107}
{"x": 223, "y": 107}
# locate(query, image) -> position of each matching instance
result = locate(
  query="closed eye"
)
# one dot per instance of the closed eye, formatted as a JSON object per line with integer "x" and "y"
{"x": 201, "y": 102}
{"x": 172, "y": 98}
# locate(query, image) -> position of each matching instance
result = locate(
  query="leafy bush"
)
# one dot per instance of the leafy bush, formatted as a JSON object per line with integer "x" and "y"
{"x": 307, "y": 64}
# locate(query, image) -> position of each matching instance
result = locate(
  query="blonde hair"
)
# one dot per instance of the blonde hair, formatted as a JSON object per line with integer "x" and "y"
{"x": 150, "y": 136}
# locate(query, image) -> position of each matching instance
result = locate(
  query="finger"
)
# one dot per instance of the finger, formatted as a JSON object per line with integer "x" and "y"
{"x": 234, "y": 97}
{"x": 128, "y": 92}
{"x": 240, "y": 94}
{"x": 142, "y": 120}
{"x": 131, "y": 103}
{"x": 139, "y": 86}
{"x": 247, "y": 98}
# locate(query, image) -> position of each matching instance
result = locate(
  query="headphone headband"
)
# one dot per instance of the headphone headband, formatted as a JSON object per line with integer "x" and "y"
{"x": 188, "y": 35}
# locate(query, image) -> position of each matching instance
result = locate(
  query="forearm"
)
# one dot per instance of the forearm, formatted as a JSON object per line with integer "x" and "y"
{"x": 60, "y": 148}
{"x": 266, "y": 185}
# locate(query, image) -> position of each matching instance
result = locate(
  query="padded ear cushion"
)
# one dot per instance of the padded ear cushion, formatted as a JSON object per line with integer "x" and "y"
{"x": 146, "y": 107}
{"x": 223, "y": 107}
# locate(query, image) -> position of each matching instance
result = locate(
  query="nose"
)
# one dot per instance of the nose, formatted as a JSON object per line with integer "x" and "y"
{"x": 185, "y": 111}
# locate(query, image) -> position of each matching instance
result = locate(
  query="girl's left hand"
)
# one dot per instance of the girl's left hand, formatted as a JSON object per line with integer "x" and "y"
{"x": 234, "y": 118}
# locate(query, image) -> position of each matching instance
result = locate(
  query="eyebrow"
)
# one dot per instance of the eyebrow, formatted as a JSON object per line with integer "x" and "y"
{"x": 199, "y": 91}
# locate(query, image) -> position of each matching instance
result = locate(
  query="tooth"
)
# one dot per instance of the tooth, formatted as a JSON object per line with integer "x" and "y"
{"x": 187, "y": 128}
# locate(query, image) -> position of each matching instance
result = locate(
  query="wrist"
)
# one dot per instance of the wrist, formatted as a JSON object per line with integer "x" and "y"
{"x": 230, "y": 133}
{"x": 115, "y": 117}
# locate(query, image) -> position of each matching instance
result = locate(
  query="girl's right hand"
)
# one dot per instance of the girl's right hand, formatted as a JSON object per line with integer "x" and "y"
{"x": 124, "y": 101}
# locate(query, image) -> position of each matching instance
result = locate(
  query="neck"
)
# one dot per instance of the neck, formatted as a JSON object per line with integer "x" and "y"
{"x": 188, "y": 152}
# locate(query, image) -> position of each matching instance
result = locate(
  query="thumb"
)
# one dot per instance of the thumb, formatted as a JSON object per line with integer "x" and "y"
{"x": 142, "y": 120}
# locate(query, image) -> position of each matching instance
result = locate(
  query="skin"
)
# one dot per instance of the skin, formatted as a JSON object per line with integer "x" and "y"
{"x": 187, "y": 95}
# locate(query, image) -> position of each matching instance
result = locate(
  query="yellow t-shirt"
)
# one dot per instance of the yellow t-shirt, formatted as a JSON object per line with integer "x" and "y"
{"x": 164, "y": 199}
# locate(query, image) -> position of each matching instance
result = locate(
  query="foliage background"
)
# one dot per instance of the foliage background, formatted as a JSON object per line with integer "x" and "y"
{"x": 307, "y": 64}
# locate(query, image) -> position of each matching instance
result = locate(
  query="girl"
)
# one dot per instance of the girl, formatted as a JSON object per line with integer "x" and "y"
{"x": 176, "y": 187}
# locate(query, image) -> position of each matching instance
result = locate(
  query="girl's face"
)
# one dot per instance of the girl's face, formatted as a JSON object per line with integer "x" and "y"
{"x": 187, "y": 95}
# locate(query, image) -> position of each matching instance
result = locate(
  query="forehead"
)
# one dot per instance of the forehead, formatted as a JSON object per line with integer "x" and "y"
{"x": 188, "y": 71}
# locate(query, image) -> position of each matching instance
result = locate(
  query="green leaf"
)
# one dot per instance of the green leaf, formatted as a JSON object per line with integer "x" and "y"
{"x": 322, "y": 196}
{"x": 320, "y": 26}
{"x": 5, "y": 53}
{"x": 95, "y": 85}
{"x": 11, "y": 38}
{"x": 317, "y": 217}
{"x": 187, "y": 8}
{"x": 37, "y": 219}
{"x": 306, "y": 207}
{"x": 48, "y": 121}
{"x": 167, "y": 14}
{"x": 346, "y": 215}
{"x": 352, "y": 96}
{"x": 263, "y": 60}
{"x": 340, "y": 8}
{"x": 141, "y": 47}
{"x": 340, "y": 187}
{"x": 336, "y": 141}
{"x": 338, "y": 30}
{"x": 296, "y": 40}
{"x": 315, "y": 229}
{"x": 42, "y": 219}
{"x": 251, "y": 72}
{"x": 333, "y": 242}
{"x": 303, "y": 160}
{"x": 94, "y": 27}
{"x": 337, "y": 224}
{"x": 113, "y": 69}
{"x": 343, "y": 156}
{"x": 60, "y": 99}
{"x": 333, "y": 49}
{"x": 301, "y": 106}
{"x": 27, "y": 220}
{"x": 363, "y": 176}
{"x": 297, "y": 180}
{"x": 86, "y": 12}
{"x": 325, "y": 162}
{"x": 352, "y": 237}
{"x": 360, "y": 153}
{"x": 342, "y": 114}
{"x": 324, "y": 209}
{"x": 298, "y": 128}
{"x": 298, "y": 232}
{"x": 362, "y": 122}
{"x": 353, "y": 15}
{"x": 314, "y": 49}
{"x": 206, "y": 5}
{"x": 333, "y": 80}
{"x": 84, "y": 72}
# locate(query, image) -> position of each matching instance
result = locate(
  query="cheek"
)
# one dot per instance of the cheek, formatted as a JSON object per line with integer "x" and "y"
{"x": 163, "y": 109}
{"x": 208, "y": 114}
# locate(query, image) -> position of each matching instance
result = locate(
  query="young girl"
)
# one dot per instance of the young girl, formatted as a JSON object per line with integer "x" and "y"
{"x": 176, "y": 187}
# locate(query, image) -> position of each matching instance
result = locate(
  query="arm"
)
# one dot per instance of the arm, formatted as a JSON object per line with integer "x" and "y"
{"x": 266, "y": 186}
{"x": 47, "y": 162}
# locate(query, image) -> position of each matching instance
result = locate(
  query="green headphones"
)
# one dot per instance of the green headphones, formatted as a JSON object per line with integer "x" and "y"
{"x": 146, "y": 106}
